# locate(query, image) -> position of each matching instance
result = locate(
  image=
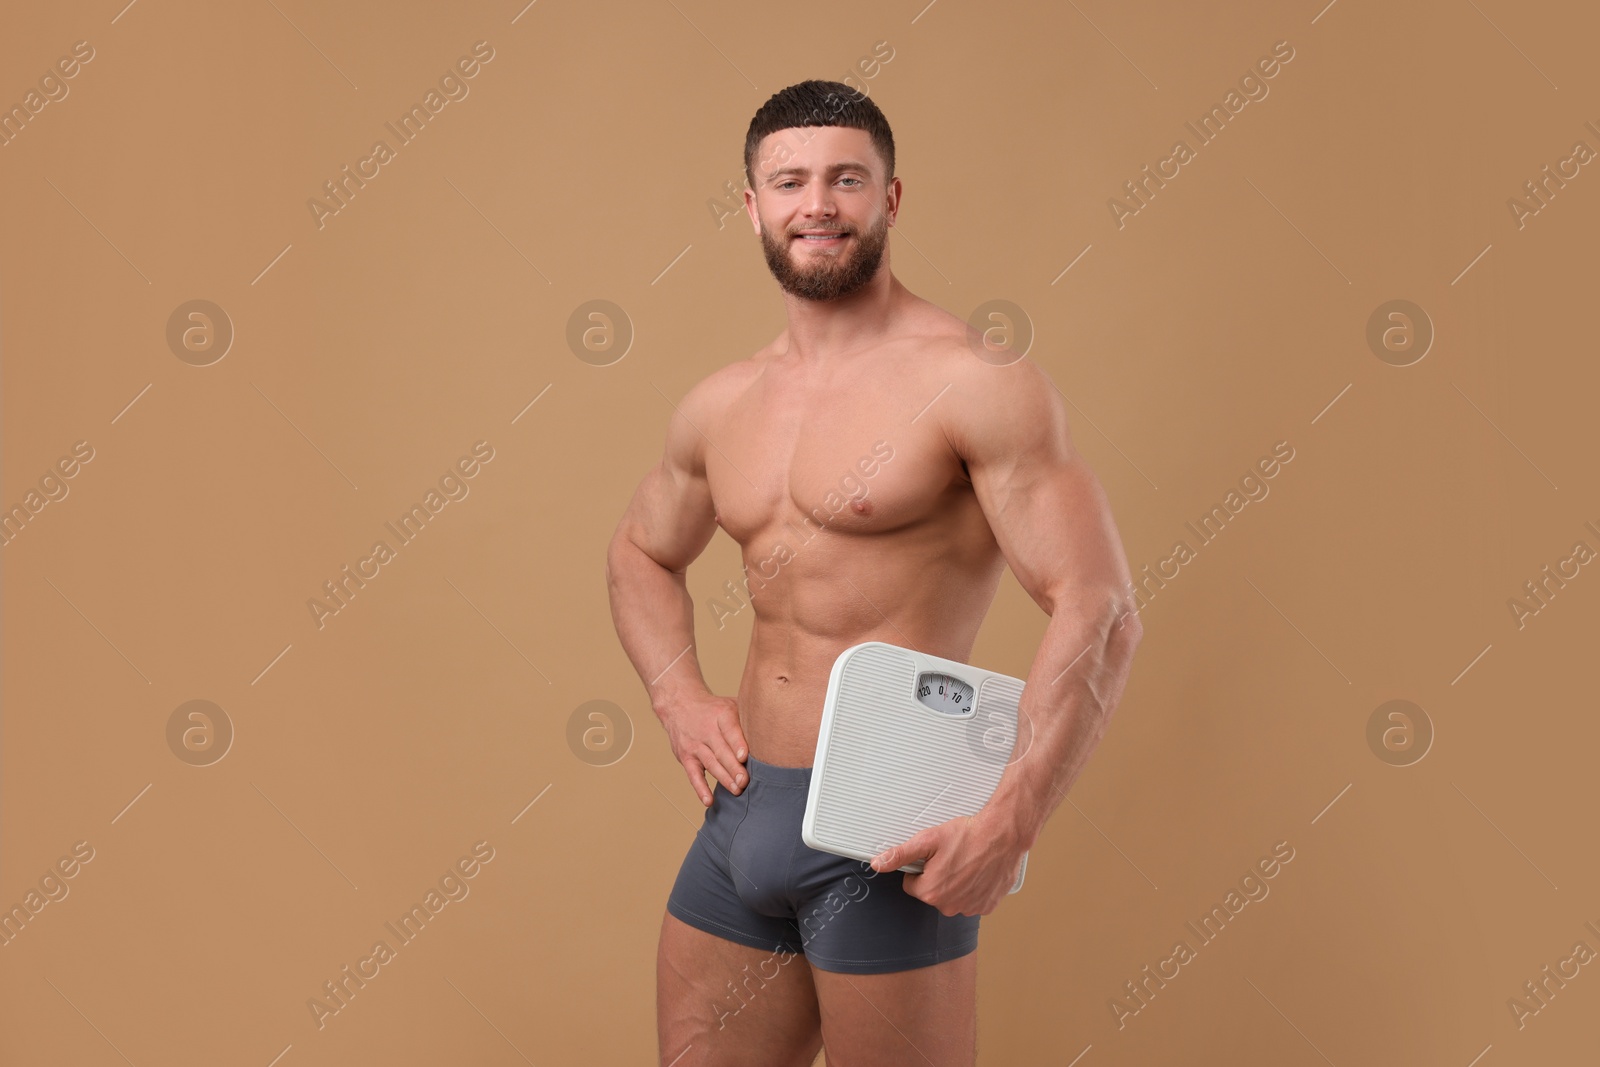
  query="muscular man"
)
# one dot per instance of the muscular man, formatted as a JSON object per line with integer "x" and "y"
{"x": 878, "y": 474}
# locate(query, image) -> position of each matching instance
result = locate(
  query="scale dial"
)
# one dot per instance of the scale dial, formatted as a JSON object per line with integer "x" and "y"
{"x": 944, "y": 693}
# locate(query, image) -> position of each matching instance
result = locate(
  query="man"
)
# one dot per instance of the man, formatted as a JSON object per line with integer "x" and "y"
{"x": 879, "y": 469}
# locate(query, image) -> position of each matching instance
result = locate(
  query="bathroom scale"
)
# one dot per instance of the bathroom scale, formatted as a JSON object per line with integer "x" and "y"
{"x": 908, "y": 741}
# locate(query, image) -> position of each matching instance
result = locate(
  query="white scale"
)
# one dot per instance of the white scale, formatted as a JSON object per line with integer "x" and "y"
{"x": 908, "y": 741}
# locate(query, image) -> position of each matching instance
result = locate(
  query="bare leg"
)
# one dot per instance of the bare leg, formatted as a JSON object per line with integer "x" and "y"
{"x": 722, "y": 1004}
{"x": 925, "y": 1017}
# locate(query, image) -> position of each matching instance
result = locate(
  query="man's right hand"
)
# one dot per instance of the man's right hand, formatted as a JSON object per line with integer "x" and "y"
{"x": 705, "y": 736}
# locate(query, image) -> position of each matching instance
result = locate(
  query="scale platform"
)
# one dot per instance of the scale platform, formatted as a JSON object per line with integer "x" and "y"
{"x": 908, "y": 741}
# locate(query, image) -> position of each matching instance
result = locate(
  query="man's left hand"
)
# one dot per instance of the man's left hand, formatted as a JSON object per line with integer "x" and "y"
{"x": 968, "y": 867}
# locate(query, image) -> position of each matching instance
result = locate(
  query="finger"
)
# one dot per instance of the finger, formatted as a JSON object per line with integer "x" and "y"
{"x": 697, "y": 778}
{"x": 734, "y": 737}
{"x": 918, "y": 847}
{"x": 721, "y": 764}
{"x": 725, "y": 752}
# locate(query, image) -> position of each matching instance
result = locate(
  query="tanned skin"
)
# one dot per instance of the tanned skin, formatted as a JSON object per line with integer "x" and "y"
{"x": 983, "y": 474}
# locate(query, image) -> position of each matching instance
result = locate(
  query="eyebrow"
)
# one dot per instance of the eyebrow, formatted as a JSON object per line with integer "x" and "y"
{"x": 834, "y": 168}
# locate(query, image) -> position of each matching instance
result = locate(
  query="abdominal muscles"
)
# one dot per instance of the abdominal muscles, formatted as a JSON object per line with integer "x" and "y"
{"x": 816, "y": 591}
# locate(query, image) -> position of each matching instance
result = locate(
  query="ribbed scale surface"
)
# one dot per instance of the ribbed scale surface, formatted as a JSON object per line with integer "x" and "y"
{"x": 892, "y": 766}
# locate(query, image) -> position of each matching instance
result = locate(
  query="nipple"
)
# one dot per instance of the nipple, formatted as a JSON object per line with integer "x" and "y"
{"x": 862, "y": 506}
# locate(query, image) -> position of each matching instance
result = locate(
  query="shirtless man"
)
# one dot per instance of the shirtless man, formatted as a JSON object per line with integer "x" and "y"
{"x": 878, "y": 475}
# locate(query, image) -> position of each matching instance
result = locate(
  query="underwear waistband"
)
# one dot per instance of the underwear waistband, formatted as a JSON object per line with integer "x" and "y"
{"x": 771, "y": 772}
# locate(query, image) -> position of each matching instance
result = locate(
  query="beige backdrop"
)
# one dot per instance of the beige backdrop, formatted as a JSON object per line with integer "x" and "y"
{"x": 234, "y": 855}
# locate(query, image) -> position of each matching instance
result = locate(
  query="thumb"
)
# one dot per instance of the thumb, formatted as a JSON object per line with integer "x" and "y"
{"x": 919, "y": 846}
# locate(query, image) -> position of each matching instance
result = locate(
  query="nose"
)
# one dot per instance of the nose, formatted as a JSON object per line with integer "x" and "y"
{"x": 819, "y": 202}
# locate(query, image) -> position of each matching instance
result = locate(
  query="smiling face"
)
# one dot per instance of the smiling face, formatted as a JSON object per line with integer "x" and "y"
{"x": 823, "y": 208}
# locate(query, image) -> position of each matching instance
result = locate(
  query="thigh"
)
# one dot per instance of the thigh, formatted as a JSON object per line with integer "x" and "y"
{"x": 855, "y": 920}
{"x": 722, "y": 1003}
{"x": 926, "y": 1015}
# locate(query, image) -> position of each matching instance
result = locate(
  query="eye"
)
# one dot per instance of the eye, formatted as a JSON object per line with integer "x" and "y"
{"x": 858, "y": 181}
{"x": 783, "y": 183}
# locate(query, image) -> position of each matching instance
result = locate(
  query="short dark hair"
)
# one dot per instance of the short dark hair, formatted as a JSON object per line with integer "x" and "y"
{"x": 818, "y": 103}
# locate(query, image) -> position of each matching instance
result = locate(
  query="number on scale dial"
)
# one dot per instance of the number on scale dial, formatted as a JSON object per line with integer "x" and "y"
{"x": 945, "y": 694}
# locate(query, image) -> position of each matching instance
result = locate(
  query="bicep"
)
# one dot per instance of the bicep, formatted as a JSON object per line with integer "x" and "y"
{"x": 671, "y": 517}
{"x": 1047, "y": 509}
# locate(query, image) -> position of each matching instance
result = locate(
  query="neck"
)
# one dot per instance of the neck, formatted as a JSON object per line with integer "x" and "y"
{"x": 820, "y": 331}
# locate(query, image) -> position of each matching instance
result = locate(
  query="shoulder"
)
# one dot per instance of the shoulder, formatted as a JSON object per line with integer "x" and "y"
{"x": 727, "y": 384}
{"x": 697, "y": 412}
{"x": 713, "y": 393}
{"x": 992, "y": 409}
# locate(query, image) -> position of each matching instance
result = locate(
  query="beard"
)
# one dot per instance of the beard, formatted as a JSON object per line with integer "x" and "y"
{"x": 827, "y": 275}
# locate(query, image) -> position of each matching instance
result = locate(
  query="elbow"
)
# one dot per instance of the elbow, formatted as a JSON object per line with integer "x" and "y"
{"x": 1127, "y": 629}
{"x": 1120, "y": 633}
{"x": 625, "y": 559}
{"x": 1112, "y": 613}
{"x": 615, "y": 554}
{"x": 1123, "y": 641}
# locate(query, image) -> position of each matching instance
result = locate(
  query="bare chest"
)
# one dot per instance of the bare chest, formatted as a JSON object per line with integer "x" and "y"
{"x": 860, "y": 456}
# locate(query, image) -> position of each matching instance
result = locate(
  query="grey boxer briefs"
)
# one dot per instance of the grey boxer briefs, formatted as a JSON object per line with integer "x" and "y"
{"x": 749, "y": 878}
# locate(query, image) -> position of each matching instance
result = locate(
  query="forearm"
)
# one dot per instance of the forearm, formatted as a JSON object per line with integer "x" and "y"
{"x": 654, "y": 617}
{"x": 1074, "y": 685}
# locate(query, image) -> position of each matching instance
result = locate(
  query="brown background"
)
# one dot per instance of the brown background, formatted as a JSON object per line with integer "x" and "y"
{"x": 370, "y": 754}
